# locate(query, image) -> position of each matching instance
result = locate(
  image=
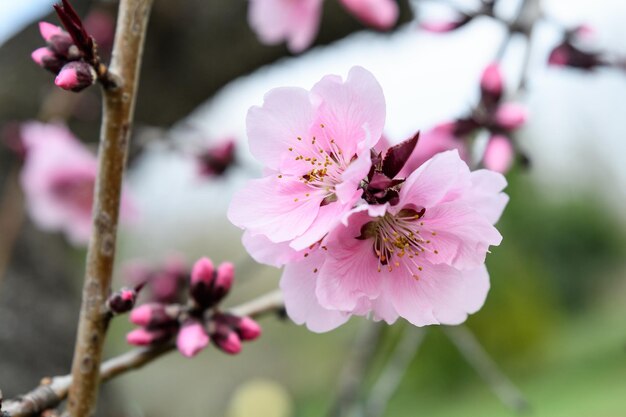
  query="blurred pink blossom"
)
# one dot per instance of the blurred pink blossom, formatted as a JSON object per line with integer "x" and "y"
{"x": 293, "y": 21}
{"x": 510, "y": 116}
{"x": 499, "y": 154}
{"x": 422, "y": 259}
{"x": 379, "y": 14}
{"x": 192, "y": 338}
{"x": 58, "y": 179}
{"x": 316, "y": 144}
{"x": 297, "y": 21}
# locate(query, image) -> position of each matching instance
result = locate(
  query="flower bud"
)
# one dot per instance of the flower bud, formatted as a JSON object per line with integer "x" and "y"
{"x": 209, "y": 287}
{"x": 216, "y": 160}
{"x": 48, "y": 30}
{"x": 499, "y": 154}
{"x": 223, "y": 281}
{"x": 510, "y": 116}
{"x": 76, "y": 76}
{"x": 226, "y": 340}
{"x": 122, "y": 301}
{"x": 248, "y": 329}
{"x": 145, "y": 337}
{"x": 152, "y": 315}
{"x": 491, "y": 83}
{"x": 47, "y": 59}
{"x": 568, "y": 55}
{"x": 192, "y": 338}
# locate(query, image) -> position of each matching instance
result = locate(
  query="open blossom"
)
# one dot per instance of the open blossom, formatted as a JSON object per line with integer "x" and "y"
{"x": 297, "y": 21}
{"x": 58, "y": 179}
{"x": 316, "y": 147}
{"x": 361, "y": 230}
{"x": 421, "y": 259}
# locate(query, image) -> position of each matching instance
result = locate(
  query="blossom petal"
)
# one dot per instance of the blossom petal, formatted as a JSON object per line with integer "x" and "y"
{"x": 267, "y": 252}
{"x": 351, "y": 112}
{"x": 273, "y": 206}
{"x": 379, "y": 14}
{"x": 287, "y": 113}
{"x": 275, "y": 21}
{"x": 458, "y": 235}
{"x": 485, "y": 194}
{"x": 441, "y": 178}
{"x": 351, "y": 268}
{"x": 298, "y": 285}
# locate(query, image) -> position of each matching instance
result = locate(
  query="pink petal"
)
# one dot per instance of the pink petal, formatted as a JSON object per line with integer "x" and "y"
{"x": 192, "y": 338}
{"x": 485, "y": 194}
{"x": 293, "y": 21}
{"x": 511, "y": 116}
{"x": 350, "y": 271}
{"x": 379, "y": 14}
{"x": 436, "y": 180}
{"x": 499, "y": 154}
{"x": 298, "y": 285}
{"x": 273, "y": 129}
{"x": 275, "y": 207}
{"x": 459, "y": 235}
{"x": 351, "y": 112}
{"x": 267, "y": 252}
{"x": 442, "y": 294}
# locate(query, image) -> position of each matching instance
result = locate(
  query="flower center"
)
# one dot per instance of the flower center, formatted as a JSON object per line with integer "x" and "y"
{"x": 323, "y": 161}
{"x": 398, "y": 241}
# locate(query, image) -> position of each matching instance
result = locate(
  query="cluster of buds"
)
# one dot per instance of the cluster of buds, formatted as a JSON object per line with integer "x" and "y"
{"x": 216, "y": 160}
{"x": 500, "y": 119}
{"x": 570, "y": 52}
{"x": 200, "y": 320}
{"x": 460, "y": 18}
{"x": 71, "y": 54}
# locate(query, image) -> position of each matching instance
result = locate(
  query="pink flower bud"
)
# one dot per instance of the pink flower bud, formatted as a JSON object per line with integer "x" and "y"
{"x": 145, "y": 337}
{"x": 227, "y": 341}
{"x": 248, "y": 329}
{"x": 559, "y": 57}
{"x": 47, "y": 59}
{"x": 76, "y": 76}
{"x": 192, "y": 338}
{"x": 223, "y": 280}
{"x": 122, "y": 301}
{"x": 499, "y": 154}
{"x": 203, "y": 272}
{"x": 491, "y": 82}
{"x": 510, "y": 116}
{"x": 151, "y": 315}
{"x": 585, "y": 31}
{"x": 48, "y": 30}
{"x": 379, "y": 14}
{"x": 216, "y": 160}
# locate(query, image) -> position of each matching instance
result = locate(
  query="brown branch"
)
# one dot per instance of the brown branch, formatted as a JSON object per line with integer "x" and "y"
{"x": 119, "y": 104}
{"x": 54, "y": 390}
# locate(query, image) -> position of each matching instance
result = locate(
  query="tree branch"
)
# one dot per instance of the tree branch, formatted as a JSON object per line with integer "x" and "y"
{"x": 119, "y": 104}
{"x": 54, "y": 390}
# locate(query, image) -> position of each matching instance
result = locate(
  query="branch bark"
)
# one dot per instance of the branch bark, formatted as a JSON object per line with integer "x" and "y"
{"x": 119, "y": 105}
{"x": 54, "y": 390}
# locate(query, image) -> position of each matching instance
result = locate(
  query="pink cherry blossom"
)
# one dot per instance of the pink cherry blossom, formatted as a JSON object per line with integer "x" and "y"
{"x": 438, "y": 139}
{"x": 316, "y": 145}
{"x": 499, "y": 154}
{"x": 422, "y": 259}
{"x": 510, "y": 116}
{"x": 293, "y": 21}
{"x": 58, "y": 179}
{"x": 379, "y": 14}
{"x": 192, "y": 338}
